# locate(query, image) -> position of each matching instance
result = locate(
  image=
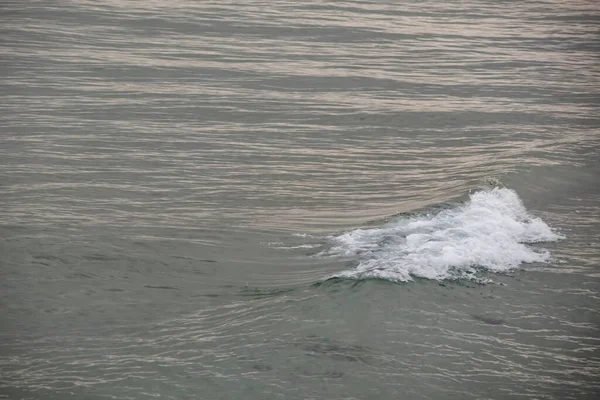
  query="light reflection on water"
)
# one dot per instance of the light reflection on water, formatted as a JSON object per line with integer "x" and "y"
{"x": 170, "y": 170}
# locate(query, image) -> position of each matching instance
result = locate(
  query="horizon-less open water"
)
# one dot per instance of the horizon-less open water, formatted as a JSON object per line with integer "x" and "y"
{"x": 299, "y": 200}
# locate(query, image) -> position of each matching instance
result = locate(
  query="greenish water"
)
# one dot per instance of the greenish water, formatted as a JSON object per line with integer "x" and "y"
{"x": 299, "y": 200}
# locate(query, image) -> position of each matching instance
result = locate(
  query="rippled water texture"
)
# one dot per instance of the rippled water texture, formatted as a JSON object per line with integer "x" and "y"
{"x": 179, "y": 180}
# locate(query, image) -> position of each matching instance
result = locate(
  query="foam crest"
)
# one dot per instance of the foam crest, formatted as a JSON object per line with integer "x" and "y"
{"x": 492, "y": 231}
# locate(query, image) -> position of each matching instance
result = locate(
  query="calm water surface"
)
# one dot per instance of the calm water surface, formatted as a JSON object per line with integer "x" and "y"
{"x": 299, "y": 200}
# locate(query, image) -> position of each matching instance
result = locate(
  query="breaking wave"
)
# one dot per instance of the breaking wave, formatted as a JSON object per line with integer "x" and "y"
{"x": 491, "y": 231}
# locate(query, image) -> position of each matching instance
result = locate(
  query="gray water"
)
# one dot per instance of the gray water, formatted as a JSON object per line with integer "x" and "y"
{"x": 217, "y": 200}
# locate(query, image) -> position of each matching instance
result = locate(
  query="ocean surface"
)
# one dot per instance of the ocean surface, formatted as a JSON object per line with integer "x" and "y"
{"x": 299, "y": 199}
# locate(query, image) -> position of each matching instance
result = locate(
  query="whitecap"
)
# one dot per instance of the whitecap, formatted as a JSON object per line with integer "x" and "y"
{"x": 491, "y": 231}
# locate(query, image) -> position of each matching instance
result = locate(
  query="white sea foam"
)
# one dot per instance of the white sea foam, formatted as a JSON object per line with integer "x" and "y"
{"x": 491, "y": 231}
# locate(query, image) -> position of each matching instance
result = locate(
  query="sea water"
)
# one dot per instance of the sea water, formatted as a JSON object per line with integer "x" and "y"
{"x": 299, "y": 200}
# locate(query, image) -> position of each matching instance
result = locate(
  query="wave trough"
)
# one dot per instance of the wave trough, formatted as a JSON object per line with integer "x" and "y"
{"x": 492, "y": 231}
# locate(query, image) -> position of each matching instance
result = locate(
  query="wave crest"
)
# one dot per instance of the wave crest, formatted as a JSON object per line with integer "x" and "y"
{"x": 491, "y": 231}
